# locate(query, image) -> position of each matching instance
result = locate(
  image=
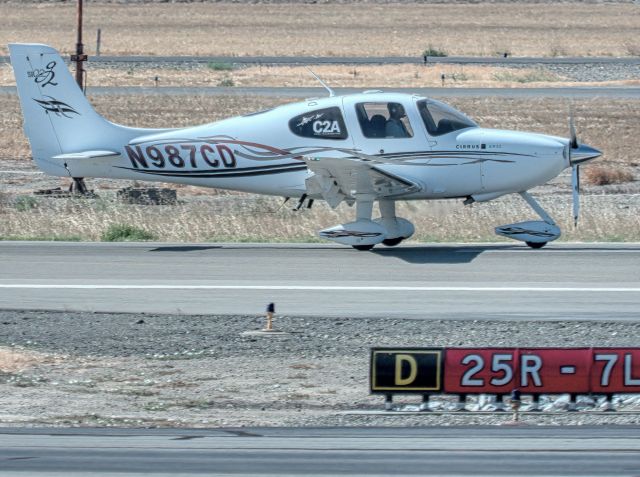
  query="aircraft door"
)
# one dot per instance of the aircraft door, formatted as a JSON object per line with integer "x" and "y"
{"x": 384, "y": 128}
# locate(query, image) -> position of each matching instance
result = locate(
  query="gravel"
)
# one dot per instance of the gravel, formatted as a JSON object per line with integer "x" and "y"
{"x": 587, "y": 72}
{"x": 579, "y": 72}
{"x": 177, "y": 370}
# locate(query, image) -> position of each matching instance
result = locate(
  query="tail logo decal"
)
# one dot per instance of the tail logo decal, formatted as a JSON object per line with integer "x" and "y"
{"x": 44, "y": 77}
{"x": 52, "y": 105}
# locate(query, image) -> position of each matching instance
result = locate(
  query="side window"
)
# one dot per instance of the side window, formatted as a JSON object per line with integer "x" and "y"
{"x": 442, "y": 119}
{"x": 321, "y": 124}
{"x": 383, "y": 120}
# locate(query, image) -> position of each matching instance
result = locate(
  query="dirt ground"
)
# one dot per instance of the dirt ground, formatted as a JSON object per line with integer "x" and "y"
{"x": 238, "y": 29}
{"x": 201, "y": 371}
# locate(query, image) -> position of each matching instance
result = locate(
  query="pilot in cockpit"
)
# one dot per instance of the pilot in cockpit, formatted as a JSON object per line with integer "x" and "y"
{"x": 395, "y": 127}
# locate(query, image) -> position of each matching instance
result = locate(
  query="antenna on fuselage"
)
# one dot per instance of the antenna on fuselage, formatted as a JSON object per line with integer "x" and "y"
{"x": 331, "y": 92}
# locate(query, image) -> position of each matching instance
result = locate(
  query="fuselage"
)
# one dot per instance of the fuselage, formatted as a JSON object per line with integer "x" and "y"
{"x": 261, "y": 152}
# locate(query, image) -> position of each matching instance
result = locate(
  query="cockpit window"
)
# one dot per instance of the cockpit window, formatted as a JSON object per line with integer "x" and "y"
{"x": 321, "y": 124}
{"x": 383, "y": 120}
{"x": 442, "y": 119}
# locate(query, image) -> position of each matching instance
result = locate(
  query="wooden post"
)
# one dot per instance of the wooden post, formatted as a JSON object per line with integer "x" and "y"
{"x": 79, "y": 47}
{"x": 98, "y": 42}
{"x": 78, "y": 184}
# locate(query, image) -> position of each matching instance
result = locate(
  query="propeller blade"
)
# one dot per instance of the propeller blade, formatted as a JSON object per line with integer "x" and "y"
{"x": 572, "y": 131}
{"x": 575, "y": 186}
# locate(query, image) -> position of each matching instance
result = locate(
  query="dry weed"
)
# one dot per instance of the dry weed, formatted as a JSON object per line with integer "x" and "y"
{"x": 604, "y": 175}
{"x": 13, "y": 361}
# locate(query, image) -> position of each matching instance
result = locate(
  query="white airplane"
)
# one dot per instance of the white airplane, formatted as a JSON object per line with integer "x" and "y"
{"x": 357, "y": 149}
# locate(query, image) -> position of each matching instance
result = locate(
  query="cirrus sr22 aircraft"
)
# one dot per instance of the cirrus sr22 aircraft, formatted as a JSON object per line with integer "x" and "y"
{"x": 359, "y": 149}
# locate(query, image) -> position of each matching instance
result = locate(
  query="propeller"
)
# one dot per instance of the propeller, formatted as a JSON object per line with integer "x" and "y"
{"x": 575, "y": 171}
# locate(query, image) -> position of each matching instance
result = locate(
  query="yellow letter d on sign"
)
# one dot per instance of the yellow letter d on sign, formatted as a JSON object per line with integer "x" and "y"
{"x": 413, "y": 369}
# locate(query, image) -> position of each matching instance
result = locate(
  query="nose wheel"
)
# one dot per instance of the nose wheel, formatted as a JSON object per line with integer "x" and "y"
{"x": 363, "y": 248}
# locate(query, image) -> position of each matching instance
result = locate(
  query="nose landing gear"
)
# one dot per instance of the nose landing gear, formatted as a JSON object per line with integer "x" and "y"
{"x": 536, "y": 234}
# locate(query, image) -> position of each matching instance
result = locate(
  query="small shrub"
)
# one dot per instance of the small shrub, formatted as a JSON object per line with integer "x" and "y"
{"x": 502, "y": 53}
{"x": 432, "y": 51}
{"x": 633, "y": 49}
{"x": 220, "y": 66}
{"x": 460, "y": 76}
{"x": 602, "y": 175}
{"x": 531, "y": 76}
{"x": 226, "y": 82}
{"x": 5, "y": 200}
{"x": 25, "y": 203}
{"x": 125, "y": 233}
{"x": 558, "y": 51}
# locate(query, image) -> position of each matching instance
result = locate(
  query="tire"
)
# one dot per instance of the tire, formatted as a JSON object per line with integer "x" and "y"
{"x": 363, "y": 248}
{"x": 536, "y": 244}
{"x": 392, "y": 242}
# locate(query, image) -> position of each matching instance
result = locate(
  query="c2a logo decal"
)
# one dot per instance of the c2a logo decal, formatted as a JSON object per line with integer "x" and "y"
{"x": 197, "y": 156}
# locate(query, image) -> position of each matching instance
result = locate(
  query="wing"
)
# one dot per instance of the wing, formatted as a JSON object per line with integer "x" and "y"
{"x": 338, "y": 179}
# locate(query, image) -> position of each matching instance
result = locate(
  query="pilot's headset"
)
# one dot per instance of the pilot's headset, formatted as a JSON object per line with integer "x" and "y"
{"x": 396, "y": 110}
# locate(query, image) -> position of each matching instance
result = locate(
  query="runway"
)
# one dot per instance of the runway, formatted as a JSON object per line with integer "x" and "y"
{"x": 306, "y": 92}
{"x": 478, "y": 451}
{"x": 466, "y": 282}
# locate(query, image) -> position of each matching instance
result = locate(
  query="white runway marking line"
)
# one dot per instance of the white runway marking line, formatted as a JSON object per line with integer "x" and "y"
{"x": 317, "y": 288}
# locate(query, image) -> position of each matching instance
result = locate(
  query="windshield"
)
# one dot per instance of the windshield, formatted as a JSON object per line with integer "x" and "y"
{"x": 441, "y": 119}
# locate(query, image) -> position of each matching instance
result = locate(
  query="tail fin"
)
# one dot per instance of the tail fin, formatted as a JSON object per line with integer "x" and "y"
{"x": 58, "y": 119}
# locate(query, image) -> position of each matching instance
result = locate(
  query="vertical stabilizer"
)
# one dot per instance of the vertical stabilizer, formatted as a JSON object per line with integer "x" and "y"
{"x": 58, "y": 118}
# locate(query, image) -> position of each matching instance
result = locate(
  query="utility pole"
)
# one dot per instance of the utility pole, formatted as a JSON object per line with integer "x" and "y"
{"x": 79, "y": 57}
{"x": 78, "y": 186}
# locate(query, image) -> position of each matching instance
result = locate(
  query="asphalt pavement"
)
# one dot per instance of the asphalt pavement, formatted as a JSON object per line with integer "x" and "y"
{"x": 427, "y": 281}
{"x": 365, "y": 60}
{"x": 477, "y": 451}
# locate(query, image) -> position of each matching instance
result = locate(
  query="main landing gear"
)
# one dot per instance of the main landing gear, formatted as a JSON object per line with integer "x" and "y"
{"x": 535, "y": 233}
{"x": 364, "y": 233}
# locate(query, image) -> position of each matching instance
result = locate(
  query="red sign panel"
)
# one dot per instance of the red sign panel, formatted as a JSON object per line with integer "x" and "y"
{"x": 541, "y": 370}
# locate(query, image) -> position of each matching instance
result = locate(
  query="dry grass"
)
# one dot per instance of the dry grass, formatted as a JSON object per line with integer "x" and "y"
{"x": 406, "y": 75}
{"x": 549, "y": 29}
{"x": 601, "y": 175}
{"x": 258, "y": 219}
{"x": 610, "y": 125}
{"x": 366, "y": 77}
